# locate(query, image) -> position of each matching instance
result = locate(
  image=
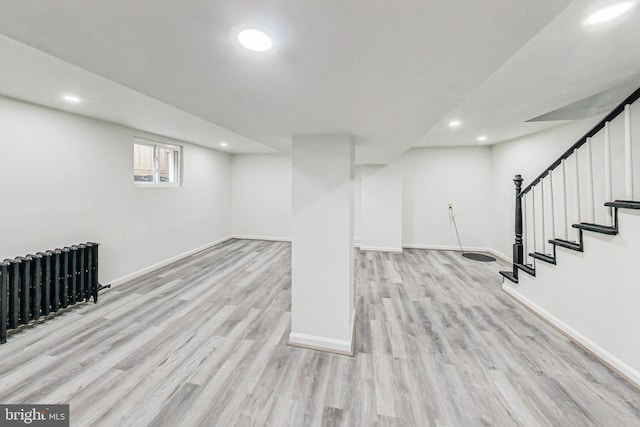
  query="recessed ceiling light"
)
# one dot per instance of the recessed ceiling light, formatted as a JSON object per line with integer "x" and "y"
{"x": 454, "y": 123}
{"x": 608, "y": 13}
{"x": 224, "y": 144}
{"x": 254, "y": 40}
{"x": 482, "y": 138}
{"x": 71, "y": 98}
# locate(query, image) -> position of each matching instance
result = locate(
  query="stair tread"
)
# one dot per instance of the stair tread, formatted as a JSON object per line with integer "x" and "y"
{"x": 567, "y": 244}
{"x": 598, "y": 228}
{"x": 527, "y": 268}
{"x": 509, "y": 275}
{"x": 543, "y": 257}
{"x": 625, "y": 204}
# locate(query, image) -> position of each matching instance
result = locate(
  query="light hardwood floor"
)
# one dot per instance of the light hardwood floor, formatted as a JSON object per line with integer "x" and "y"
{"x": 203, "y": 342}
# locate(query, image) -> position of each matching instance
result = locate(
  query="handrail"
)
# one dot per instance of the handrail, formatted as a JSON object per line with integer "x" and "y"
{"x": 612, "y": 115}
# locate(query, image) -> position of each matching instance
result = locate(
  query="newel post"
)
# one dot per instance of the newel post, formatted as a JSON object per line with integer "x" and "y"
{"x": 518, "y": 251}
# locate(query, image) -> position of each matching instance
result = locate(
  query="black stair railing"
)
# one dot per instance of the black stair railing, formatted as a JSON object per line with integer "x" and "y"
{"x": 519, "y": 252}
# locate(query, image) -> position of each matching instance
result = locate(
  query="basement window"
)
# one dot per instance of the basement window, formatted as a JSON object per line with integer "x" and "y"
{"x": 155, "y": 163}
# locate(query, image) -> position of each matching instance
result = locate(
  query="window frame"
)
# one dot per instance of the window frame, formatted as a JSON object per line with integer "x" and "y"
{"x": 157, "y": 145}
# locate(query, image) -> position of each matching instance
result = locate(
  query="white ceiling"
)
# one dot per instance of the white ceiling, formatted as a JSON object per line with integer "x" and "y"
{"x": 31, "y": 75}
{"x": 562, "y": 64}
{"x": 390, "y": 73}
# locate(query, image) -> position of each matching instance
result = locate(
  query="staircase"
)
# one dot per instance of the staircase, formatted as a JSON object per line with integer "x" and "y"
{"x": 589, "y": 184}
{"x": 584, "y": 204}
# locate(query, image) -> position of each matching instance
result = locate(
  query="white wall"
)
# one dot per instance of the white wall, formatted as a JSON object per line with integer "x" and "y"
{"x": 435, "y": 177}
{"x": 261, "y": 196}
{"x": 66, "y": 179}
{"x": 381, "y": 207}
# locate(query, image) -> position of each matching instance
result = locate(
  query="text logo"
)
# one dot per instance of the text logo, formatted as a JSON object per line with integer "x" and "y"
{"x": 34, "y": 415}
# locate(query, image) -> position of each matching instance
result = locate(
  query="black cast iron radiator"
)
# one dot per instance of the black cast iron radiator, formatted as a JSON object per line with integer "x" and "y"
{"x": 38, "y": 285}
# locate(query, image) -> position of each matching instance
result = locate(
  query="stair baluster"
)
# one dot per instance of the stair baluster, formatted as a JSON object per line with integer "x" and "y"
{"x": 608, "y": 188}
{"x": 576, "y": 170}
{"x": 591, "y": 208}
{"x": 525, "y": 226}
{"x": 542, "y": 215}
{"x": 565, "y": 220}
{"x": 533, "y": 221}
{"x": 553, "y": 212}
{"x": 628, "y": 164}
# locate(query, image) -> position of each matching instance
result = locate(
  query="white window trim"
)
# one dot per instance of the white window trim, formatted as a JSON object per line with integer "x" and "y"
{"x": 156, "y": 163}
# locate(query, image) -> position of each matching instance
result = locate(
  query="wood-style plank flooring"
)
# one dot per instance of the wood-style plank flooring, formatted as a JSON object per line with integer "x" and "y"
{"x": 203, "y": 343}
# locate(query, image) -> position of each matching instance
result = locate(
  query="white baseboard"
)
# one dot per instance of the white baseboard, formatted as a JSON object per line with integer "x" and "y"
{"x": 331, "y": 345}
{"x": 604, "y": 356}
{"x": 457, "y": 248}
{"x": 268, "y": 238}
{"x": 379, "y": 249}
{"x": 164, "y": 263}
{"x": 500, "y": 255}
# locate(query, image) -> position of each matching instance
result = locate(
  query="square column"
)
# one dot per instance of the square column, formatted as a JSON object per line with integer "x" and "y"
{"x": 322, "y": 270}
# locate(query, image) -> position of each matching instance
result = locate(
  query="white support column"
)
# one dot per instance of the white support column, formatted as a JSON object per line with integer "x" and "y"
{"x": 628, "y": 159}
{"x": 322, "y": 283}
{"x": 590, "y": 197}
{"x": 608, "y": 189}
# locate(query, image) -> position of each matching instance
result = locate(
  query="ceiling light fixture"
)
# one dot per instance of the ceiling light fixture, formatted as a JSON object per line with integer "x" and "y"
{"x": 609, "y": 13}
{"x": 224, "y": 144}
{"x": 454, "y": 123}
{"x": 255, "y": 40}
{"x": 71, "y": 98}
{"x": 482, "y": 138}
